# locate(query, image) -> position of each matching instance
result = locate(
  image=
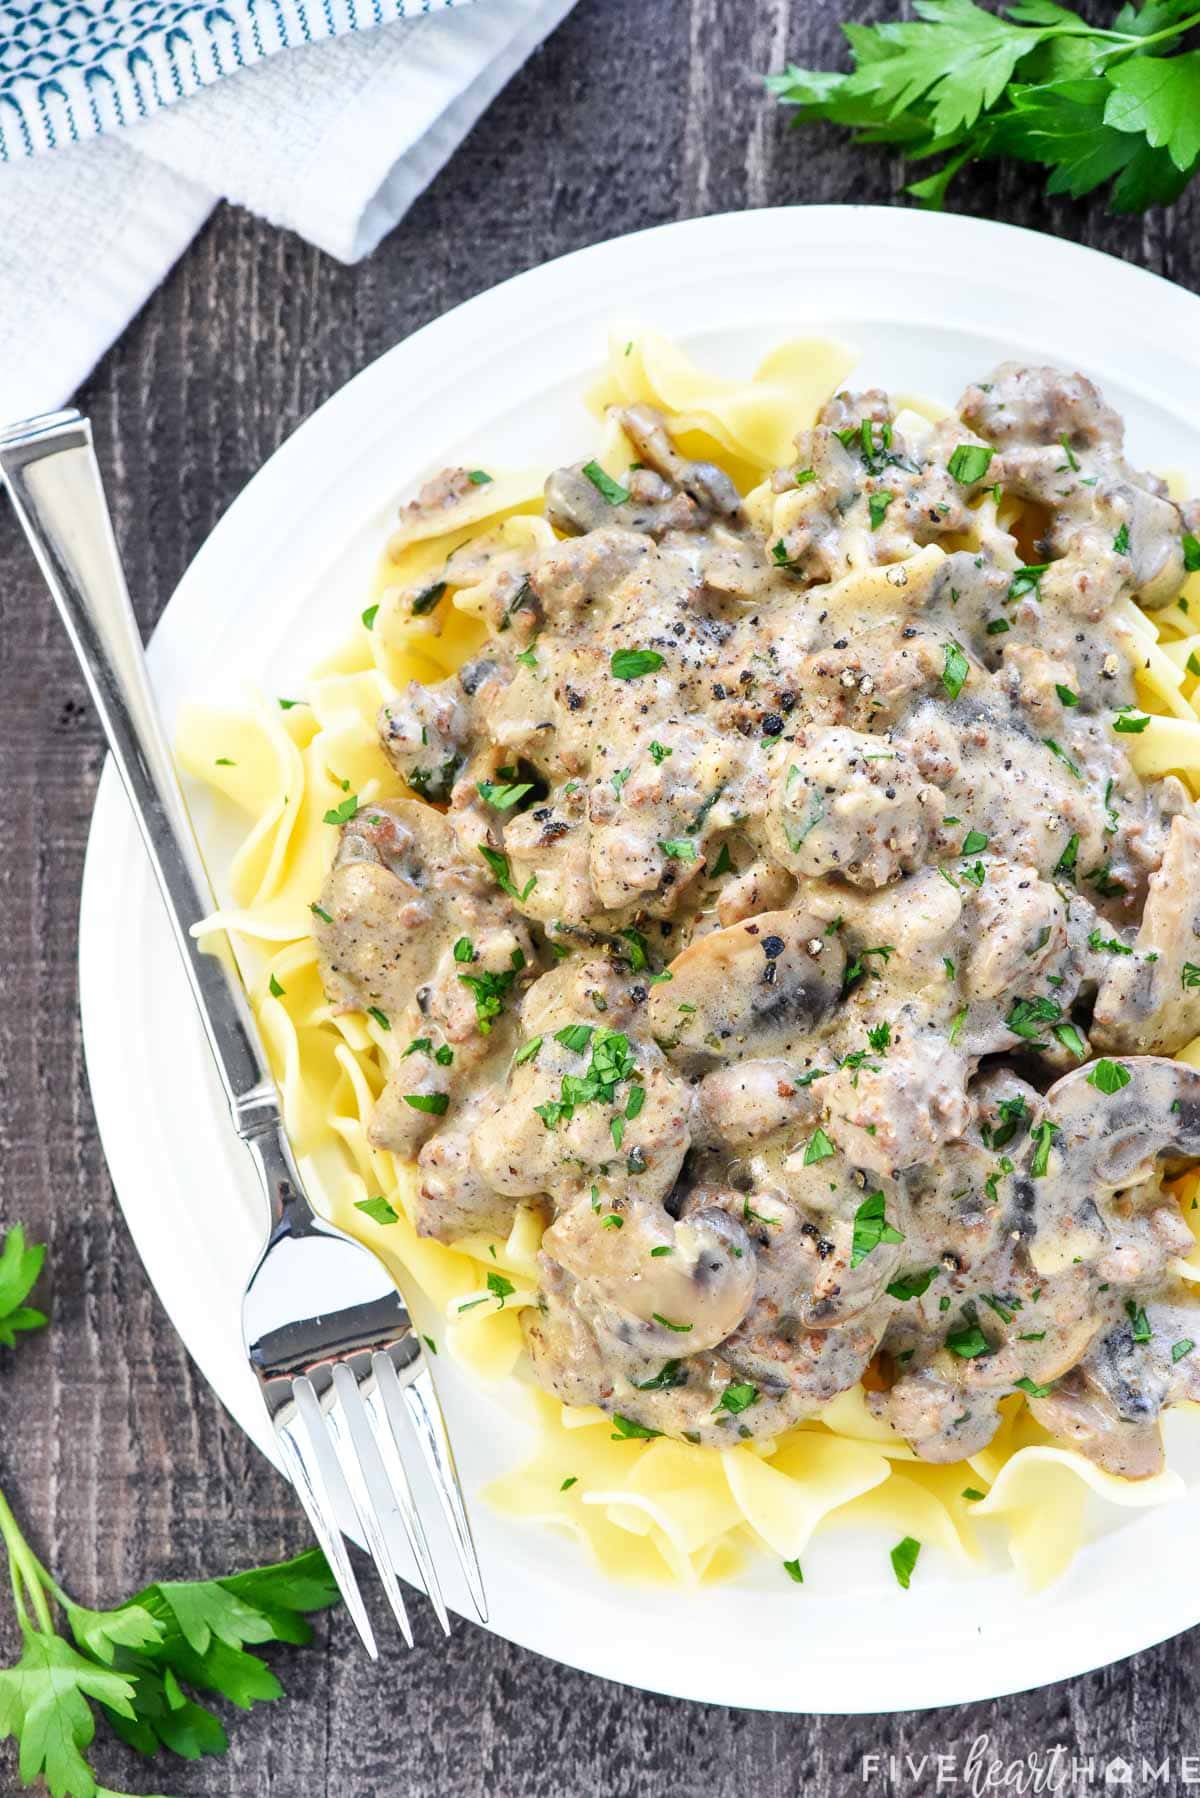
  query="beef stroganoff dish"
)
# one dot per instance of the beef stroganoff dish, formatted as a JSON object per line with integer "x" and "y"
{"x": 728, "y": 927}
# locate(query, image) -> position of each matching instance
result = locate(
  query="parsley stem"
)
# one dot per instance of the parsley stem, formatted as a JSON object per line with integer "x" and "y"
{"x": 1128, "y": 41}
{"x": 25, "y": 1571}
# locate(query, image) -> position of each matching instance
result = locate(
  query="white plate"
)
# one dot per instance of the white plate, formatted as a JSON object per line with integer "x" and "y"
{"x": 930, "y": 301}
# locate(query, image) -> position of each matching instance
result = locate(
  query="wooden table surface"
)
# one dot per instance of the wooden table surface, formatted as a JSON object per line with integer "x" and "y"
{"x": 123, "y": 1465}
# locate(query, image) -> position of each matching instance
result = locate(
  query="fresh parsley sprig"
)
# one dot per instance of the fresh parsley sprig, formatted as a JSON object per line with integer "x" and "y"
{"x": 1033, "y": 81}
{"x": 144, "y": 1663}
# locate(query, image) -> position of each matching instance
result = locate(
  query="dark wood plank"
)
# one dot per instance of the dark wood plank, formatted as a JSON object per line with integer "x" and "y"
{"x": 122, "y": 1462}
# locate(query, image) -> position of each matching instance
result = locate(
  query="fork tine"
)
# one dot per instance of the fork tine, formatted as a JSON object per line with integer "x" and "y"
{"x": 421, "y": 1399}
{"x": 381, "y": 1404}
{"x": 362, "y": 1470}
{"x": 309, "y": 1480}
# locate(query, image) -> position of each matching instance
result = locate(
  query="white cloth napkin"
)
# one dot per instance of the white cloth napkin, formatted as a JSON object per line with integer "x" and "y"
{"x": 334, "y": 140}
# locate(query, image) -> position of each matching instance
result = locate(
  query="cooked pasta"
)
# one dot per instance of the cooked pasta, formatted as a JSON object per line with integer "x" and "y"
{"x": 876, "y": 1451}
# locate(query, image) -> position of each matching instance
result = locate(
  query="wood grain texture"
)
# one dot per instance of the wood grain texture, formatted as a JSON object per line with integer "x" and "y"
{"x": 635, "y": 112}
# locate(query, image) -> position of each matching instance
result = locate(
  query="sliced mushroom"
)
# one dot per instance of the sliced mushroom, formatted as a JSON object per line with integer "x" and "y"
{"x": 687, "y": 1297}
{"x": 757, "y": 989}
{"x": 1107, "y": 1140}
{"x": 1092, "y": 1142}
{"x": 1144, "y": 1005}
{"x": 709, "y": 486}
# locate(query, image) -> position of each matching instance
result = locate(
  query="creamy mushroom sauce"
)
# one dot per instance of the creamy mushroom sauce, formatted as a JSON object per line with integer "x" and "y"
{"x": 779, "y": 911}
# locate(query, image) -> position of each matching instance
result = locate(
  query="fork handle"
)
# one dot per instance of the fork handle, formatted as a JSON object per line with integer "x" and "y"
{"x": 49, "y": 467}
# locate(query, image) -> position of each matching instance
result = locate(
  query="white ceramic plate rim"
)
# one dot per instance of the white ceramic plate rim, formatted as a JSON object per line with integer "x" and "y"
{"x": 934, "y": 280}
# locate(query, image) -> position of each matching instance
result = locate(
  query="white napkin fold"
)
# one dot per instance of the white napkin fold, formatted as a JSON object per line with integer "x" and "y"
{"x": 333, "y": 140}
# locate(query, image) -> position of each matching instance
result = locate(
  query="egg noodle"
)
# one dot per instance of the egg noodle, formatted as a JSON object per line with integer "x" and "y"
{"x": 645, "y": 1509}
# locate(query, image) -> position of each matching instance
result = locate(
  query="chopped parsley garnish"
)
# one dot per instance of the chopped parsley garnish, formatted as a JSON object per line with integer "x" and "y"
{"x": 369, "y": 617}
{"x": 1108, "y": 1077}
{"x": 792, "y": 1569}
{"x": 639, "y": 950}
{"x": 724, "y": 861}
{"x": 342, "y": 814}
{"x": 818, "y": 1148}
{"x": 738, "y": 1396}
{"x": 1096, "y": 941}
{"x": 1065, "y": 694}
{"x": 1069, "y": 453}
{"x": 380, "y": 1017}
{"x": 575, "y": 1037}
{"x": 1105, "y": 885}
{"x": 628, "y": 664}
{"x": 879, "y": 1037}
{"x": 377, "y": 1209}
{"x": 1131, "y": 723}
{"x": 502, "y": 875}
{"x": 912, "y": 1286}
{"x": 1070, "y": 1039}
{"x": 871, "y": 1228}
{"x": 679, "y": 1329}
{"x": 679, "y": 849}
{"x": 572, "y": 1479}
{"x": 955, "y": 669}
{"x": 1182, "y": 1348}
{"x": 1031, "y": 1387}
{"x": 317, "y": 912}
{"x": 490, "y": 990}
{"x": 877, "y": 505}
{"x": 973, "y": 843}
{"x": 1139, "y": 1323}
{"x": 956, "y": 1024}
{"x": 464, "y": 949}
{"x": 627, "y": 1430}
{"x": 1027, "y": 580}
{"x": 969, "y": 463}
{"x": 972, "y": 1494}
{"x": 1066, "y": 861}
{"x": 1058, "y": 750}
{"x": 1026, "y": 1016}
{"x": 504, "y": 797}
{"x": 996, "y": 627}
{"x": 1121, "y": 541}
{"x": 1189, "y": 976}
{"x": 904, "y": 1560}
{"x": 286, "y": 705}
{"x": 671, "y": 1373}
{"x": 434, "y": 1103}
{"x": 1043, "y": 1136}
{"x": 478, "y": 478}
{"x": 1191, "y": 553}
{"x": 619, "y": 779}
{"x": 273, "y": 987}
{"x": 605, "y": 486}
{"x": 968, "y": 1342}
{"x": 660, "y": 752}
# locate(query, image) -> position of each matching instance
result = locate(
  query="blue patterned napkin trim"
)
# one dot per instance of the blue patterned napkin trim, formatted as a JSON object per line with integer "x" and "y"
{"x": 71, "y": 69}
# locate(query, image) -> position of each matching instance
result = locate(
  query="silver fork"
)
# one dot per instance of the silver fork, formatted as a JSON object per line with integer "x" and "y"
{"x": 342, "y": 1370}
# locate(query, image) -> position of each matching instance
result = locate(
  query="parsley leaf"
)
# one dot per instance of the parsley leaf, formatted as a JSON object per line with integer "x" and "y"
{"x": 628, "y": 664}
{"x": 605, "y": 486}
{"x": 955, "y": 670}
{"x": 871, "y": 1228}
{"x": 19, "y": 1269}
